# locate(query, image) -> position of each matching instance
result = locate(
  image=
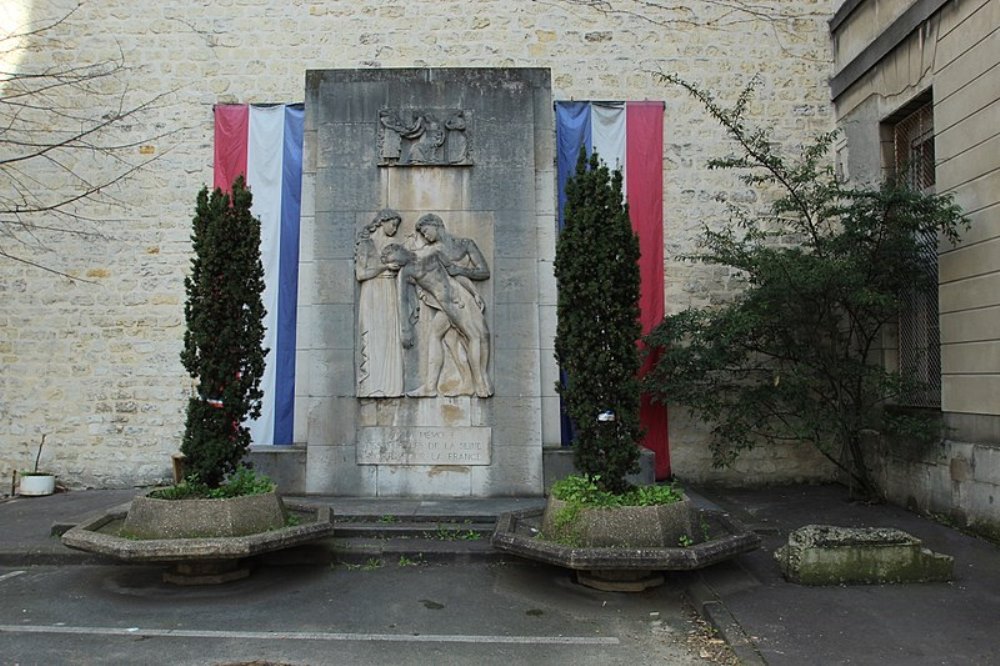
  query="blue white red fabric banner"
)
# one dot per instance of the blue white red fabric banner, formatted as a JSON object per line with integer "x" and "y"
{"x": 627, "y": 136}
{"x": 264, "y": 143}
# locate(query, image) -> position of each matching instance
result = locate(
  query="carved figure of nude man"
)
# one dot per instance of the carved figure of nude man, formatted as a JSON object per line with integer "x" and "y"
{"x": 448, "y": 290}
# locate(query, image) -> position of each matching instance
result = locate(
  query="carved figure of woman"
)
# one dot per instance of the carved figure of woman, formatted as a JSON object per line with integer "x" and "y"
{"x": 427, "y": 149}
{"x": 456, "y": 149}
{"x": 443, "y": 271}
{"x": 380, "y": 371}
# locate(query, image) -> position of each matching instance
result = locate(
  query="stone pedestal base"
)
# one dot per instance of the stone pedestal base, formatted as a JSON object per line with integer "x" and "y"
{"x": 619, "y": 580}
{"x": 206, "y": 572}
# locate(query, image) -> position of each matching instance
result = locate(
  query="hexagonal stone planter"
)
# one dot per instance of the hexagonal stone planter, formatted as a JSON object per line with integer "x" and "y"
{"x": 639, "y": 526}
{"x": 626, "y": 567}
{"x": 182, "y": 535}
{"x": 151, "y": 518}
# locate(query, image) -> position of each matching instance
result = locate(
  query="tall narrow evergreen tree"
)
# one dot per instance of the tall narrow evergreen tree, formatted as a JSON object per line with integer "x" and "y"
{"x": 225, "y": 332}
{"x": 597, "y": 272}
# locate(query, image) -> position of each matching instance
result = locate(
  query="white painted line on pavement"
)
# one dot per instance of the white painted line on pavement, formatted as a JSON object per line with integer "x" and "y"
{"x": 307, "y": 635}
{"x": 11, "y": 574}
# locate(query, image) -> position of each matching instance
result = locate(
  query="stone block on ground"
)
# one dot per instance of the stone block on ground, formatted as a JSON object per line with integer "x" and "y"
{"x": 829, "y": 555}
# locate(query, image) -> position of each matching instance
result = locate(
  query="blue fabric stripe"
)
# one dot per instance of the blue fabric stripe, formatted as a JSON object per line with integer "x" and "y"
{"x": 288, "y": 274}
{"x": 572, "y": 132}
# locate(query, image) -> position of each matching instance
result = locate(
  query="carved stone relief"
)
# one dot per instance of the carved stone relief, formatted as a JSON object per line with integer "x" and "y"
{"x": 380, "y": 370}
{"x": 431, "y": 280}
{"x": 419, "y": 137}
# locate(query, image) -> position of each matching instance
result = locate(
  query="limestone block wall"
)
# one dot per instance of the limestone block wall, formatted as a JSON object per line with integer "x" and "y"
{"x": 954, "y": 55}
{"x": 94, "y": 362}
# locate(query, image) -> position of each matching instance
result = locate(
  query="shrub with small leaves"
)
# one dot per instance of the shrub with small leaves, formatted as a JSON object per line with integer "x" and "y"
{"x": 225, "y": 332}
{"x": 597, "y": 272}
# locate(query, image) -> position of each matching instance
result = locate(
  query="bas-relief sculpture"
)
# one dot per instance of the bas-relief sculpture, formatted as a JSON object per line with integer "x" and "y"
{"x": 419, "y": 138}
{"x": 431, "y": 278}
{"x": 473, "y": 147}
{"x": 380, "y": 371}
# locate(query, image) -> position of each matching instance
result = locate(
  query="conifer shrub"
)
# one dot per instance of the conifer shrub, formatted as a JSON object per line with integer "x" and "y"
{"x": 225, "y": 332}
{"x": 597, "y": 273}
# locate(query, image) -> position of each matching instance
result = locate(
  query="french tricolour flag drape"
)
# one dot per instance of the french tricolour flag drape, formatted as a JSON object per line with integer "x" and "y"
{"x": 629, "y": 136}
{"x": 264, "y": 143}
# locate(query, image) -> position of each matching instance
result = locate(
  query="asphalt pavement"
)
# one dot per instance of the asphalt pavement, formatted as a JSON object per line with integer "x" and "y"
{"x": 468, "y": 604}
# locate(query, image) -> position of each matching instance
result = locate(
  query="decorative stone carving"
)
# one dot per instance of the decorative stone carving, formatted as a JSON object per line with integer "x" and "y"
{"x": 380, "y": 369}
{"x": 417, "y": 138}
{"x": 438, "y": 273}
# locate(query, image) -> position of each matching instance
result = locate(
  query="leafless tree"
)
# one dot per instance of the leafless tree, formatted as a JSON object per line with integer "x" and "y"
{"x": 67, "y": 138}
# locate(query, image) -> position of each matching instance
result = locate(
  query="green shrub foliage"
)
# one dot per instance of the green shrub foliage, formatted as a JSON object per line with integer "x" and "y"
{"x": 225, "y": 331}
{"x": 598, "y": 324}
{"x": 824, "y": 270}
{"x": 244, "y": 481}
{"x": 586, "y": 491}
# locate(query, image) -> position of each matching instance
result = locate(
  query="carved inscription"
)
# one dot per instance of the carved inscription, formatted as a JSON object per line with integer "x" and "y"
{"x": 423, "y": 446}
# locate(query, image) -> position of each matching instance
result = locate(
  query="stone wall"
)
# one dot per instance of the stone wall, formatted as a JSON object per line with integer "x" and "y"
{"x": 94, "y": 363}
{"x": 952, "y": 55}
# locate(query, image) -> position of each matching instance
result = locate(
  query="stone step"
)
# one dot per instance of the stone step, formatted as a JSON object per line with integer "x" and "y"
{"x": 378, "y": 552}
{"x": 432, "y": 530}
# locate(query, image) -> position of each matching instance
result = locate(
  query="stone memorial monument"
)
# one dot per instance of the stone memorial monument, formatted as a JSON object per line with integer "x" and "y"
{"x": 427, "y": 302}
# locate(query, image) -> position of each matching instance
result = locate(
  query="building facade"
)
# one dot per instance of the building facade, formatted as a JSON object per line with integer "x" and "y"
{"x": 93, "y": 362}
{"x": 917, "y": 92}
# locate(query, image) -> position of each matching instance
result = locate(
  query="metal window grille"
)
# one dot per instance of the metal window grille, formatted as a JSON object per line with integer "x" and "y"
{"x": 919, "y": 335}
{"x": 913, "y": 142}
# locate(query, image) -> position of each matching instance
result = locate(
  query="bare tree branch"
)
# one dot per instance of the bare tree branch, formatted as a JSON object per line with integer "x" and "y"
{"x": 781, "y": 18}
{"x": 67, "y": 139}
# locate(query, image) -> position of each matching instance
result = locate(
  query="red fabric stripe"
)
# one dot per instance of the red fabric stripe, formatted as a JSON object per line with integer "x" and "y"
{"x": 644, "y": 166}
{"x": 232, "y": 124}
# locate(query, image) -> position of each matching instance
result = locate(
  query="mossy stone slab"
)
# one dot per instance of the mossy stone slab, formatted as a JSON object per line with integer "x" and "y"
{"x": 831, "y": 555}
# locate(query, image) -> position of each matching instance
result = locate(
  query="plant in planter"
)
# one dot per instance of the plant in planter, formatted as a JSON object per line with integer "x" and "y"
{"x": 614, "y": 535}
{"x": 223, "y": 352}
{"x": 597, "y": 271}
{"x": 225, "y": 332}
{"x": 597, "y": 274}
{"x": 36, "y": 483}
{"x": 221, "y": 512}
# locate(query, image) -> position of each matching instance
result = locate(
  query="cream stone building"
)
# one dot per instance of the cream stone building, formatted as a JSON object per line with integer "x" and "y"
{"x": 916, "y": 87}
{"x": 93, "y": 362}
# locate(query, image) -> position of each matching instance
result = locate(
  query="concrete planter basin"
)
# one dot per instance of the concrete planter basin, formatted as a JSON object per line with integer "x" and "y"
{"x": 625, "y": 566}
{"x": 832, "y": 555}
{"x": 152, "y": 518}
{"x": 205, "y": 559}
{"x": 638, "y": 526}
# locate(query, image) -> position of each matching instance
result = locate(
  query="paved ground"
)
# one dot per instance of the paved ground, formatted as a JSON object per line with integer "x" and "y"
{"x": 480, "y": 611}
{"x": 931, "y": 623}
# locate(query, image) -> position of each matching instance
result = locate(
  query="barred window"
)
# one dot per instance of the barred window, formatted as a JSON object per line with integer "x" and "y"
{"x": 912, "y": 161}
{"x": 913, "y": 148}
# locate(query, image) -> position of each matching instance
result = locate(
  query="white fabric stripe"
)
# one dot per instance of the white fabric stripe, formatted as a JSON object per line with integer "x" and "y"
{"x": 307, "y": 635}
{"x": 607, "y": 131}
{"x": 264, "y": 157}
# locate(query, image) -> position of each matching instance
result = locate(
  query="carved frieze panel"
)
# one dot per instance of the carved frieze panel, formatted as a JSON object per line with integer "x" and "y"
{"x": 424, "y": 137}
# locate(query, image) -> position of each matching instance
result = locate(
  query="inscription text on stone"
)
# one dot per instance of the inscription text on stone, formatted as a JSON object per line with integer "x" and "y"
{"x": 423, "y": 446}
